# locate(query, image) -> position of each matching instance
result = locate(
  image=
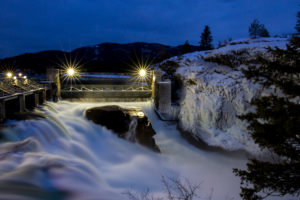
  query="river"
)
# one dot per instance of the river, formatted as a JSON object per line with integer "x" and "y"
{"x": 66, "y": 156}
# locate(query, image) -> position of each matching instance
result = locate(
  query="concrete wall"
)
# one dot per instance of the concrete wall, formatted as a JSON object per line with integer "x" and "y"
{"x": 163, "y": 96}
{"x": 18, "y": 103}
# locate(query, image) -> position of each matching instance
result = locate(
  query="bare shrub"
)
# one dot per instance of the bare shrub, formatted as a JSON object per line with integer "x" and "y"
{"x": 141, "y": 196}
{"x": 176, "y": 189}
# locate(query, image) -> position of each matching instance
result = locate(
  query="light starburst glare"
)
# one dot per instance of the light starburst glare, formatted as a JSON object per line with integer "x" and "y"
{"x": 141, "y": 69}
{"x": 71, "y": 69}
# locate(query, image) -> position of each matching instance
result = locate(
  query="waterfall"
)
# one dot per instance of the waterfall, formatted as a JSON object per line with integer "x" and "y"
{"x": 131, "y": 134}
{"x": 65, "y": 156}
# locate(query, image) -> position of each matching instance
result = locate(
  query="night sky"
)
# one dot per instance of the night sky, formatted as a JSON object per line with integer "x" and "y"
{"x": 35, "y": 25}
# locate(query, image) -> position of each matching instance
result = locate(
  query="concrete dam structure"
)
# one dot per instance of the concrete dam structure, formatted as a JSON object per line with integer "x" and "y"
{"x": 17, "y": 95}
{"x": 21, "y": 94}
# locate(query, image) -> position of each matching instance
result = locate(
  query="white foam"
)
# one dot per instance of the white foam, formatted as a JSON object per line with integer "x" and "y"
{"x": 86, "y": 160}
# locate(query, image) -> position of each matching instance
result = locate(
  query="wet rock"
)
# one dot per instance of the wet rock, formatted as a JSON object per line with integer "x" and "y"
{"x": 129, "y": 123}
{"x": 112, "y": 117}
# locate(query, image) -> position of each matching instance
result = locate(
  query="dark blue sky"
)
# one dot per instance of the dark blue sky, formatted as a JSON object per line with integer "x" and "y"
{"x": 35, "y": 25}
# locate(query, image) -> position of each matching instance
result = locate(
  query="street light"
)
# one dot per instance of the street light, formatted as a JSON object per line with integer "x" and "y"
{"x": 9, "y": 74}
{"x": 20, "y": 74}
{"x": 70, "y": 72}
{"x": 142, "y": 73}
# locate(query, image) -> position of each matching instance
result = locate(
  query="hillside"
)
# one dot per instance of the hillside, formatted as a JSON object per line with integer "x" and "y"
{"x": 105, "y": 57}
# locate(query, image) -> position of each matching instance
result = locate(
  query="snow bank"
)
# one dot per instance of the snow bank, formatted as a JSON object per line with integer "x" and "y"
{"x": 214, "y": 95}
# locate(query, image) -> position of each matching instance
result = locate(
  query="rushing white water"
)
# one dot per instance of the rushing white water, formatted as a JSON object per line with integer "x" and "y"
{"x": 66, "y": 156}
{"x": 130, "y": 135}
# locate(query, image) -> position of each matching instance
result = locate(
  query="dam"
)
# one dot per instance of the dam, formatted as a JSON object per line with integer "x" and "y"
{"x": 19, "y": 93}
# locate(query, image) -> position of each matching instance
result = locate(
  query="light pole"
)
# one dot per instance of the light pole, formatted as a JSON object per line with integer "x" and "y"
{"x": 143, "y": 73}
{"x": 71, "y": 73}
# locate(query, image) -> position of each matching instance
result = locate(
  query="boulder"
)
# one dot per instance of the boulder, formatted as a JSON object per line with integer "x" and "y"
{"x": 112, "y": 117}
{"x": 128, "y": 123}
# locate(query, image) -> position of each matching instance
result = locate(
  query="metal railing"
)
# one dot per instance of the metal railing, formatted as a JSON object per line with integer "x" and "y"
{"x": 97, "y": 86}
{"x": 11, "y": 86}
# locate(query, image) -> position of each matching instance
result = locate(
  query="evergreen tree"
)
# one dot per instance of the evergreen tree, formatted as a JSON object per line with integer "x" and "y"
{"x": 275, "y": 126}
{"x": 298, "y": 23}
{"x": 254, "y": 28}
{"x": 206, "y": 39}
{"x": 186, "y": 48}
{"x": 258, "y": 30}
{"x": 263, "y": 31}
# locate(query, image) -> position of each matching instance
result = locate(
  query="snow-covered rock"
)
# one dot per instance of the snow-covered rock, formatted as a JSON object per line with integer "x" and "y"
{"x": 214, "y": 95}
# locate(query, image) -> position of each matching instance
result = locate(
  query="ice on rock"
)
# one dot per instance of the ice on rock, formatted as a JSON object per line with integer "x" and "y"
{"x": 213, "y": 96}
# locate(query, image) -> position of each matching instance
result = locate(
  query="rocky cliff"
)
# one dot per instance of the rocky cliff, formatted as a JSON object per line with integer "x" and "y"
{"x": 214, "y": 92}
